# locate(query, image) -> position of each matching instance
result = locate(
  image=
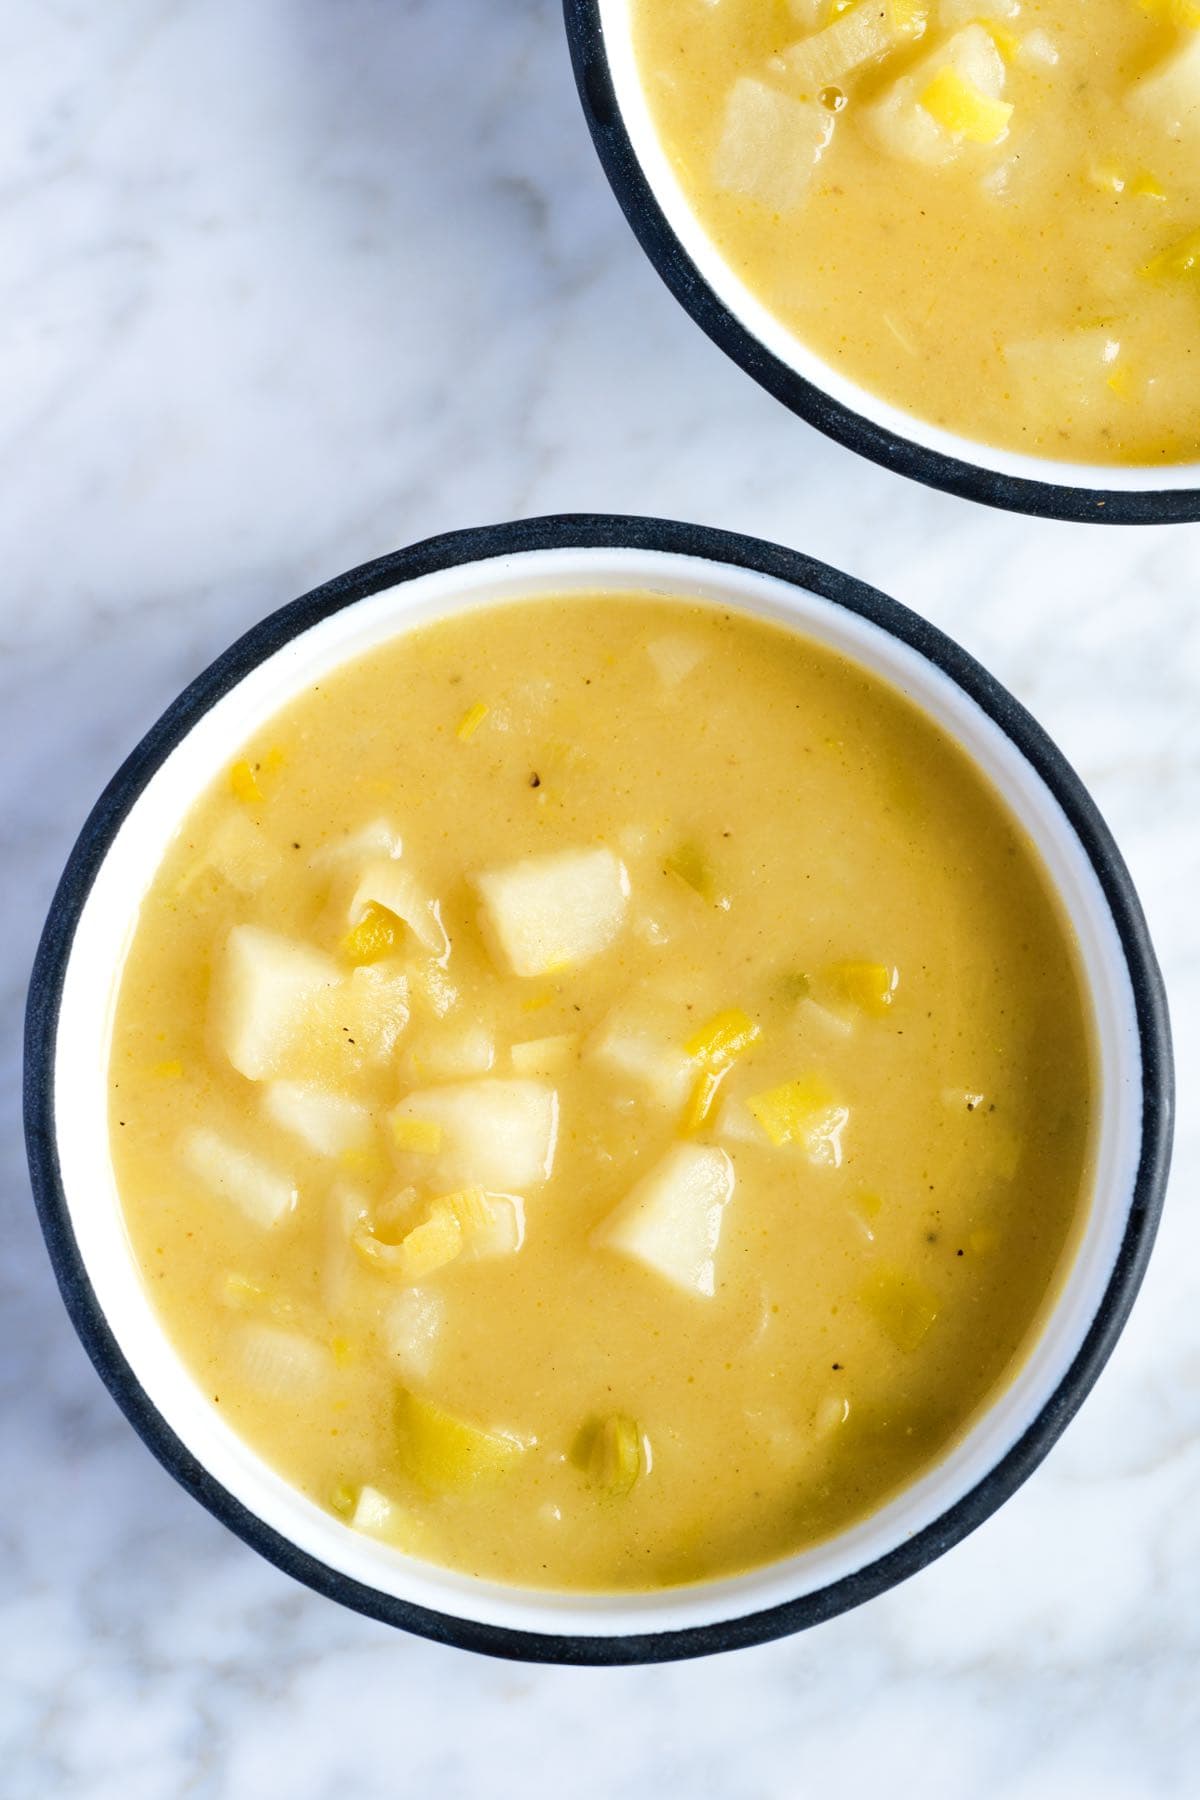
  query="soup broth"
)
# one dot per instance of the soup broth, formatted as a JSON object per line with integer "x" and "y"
{"x": 601, "y": 1092}
{"x": 987, "y": 214}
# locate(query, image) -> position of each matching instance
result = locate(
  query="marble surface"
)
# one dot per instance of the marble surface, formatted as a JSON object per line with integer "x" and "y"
{"x": 283, "y": 285}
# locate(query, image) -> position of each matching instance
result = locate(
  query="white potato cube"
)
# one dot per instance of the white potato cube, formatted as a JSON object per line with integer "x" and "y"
{"x": 368, "y": 1012}
{"x": 812, "y": 1017}
{"x": 899, "y": 122}
{"x": 432, "y": 988}
{"x": 545, "y": 1055}
{"x": 391, "y": 884}
{"x": 639, "y": 1045}
{"x": 953, "y": 13}
{"x": 328, "y": 1122}
{"x": 265, "y": 996}
{"x": 490, "y": 1134}
{"x": 1039, "y": 47}
{"x": 674, "y": 656}
{"x": 450, "y": 1053}
{"x": 373, "y": 841}
{"x": 411, "y": 1326}
{"x": 285, "y": 1365}
{"x": 344, "y": 1213}
{"x": 550, "y": 912}
{"x": 373, "y": 1512}
{"x": 1065, "y": 368}
{"x": 671, "y": 1221}
{"x": 770, "y": 145}
{"x": 256, "y": 1188}
{"x": 1170, "y": 94}
{"x": 241, "y": 853}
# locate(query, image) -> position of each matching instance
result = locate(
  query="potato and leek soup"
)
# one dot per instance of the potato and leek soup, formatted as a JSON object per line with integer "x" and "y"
{"x": 600, "y": 1092}
{"x": 985, "y": 211}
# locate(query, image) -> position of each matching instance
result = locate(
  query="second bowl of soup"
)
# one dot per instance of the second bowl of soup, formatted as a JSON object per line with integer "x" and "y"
{"x": 608, "y": 1096}
{"x": 963, "y": 239}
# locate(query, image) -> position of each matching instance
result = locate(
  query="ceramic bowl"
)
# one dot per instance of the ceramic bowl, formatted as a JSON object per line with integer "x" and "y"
{"x": 654, "y": 202}
{"x": 70, "y": 1017}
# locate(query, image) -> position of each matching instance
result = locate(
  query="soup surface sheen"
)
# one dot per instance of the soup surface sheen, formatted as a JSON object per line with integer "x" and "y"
{"x": 988, "y": 213}
{"x": 537, "y": 909}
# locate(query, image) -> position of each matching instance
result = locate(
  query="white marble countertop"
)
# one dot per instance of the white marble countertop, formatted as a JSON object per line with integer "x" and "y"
{"x": 284, "y": 285}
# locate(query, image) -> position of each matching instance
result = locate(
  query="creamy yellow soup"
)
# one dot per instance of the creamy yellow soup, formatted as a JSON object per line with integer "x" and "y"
{"x": 986, "y": 211}
{"x": 601, "y": 1092}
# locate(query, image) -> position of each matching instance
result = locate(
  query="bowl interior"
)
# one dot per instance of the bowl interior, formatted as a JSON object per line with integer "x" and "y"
{"x": 105, "y": 928}
{"x": 615, "y": 18}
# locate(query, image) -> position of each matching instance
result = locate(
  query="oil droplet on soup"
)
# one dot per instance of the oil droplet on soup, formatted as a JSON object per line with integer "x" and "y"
{"x": 600, "y": 1093}
{"x": 987, "y": 214}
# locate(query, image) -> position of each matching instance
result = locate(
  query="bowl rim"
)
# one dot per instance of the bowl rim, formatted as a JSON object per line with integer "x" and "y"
{"x": 479, "y": 546}
{"x": 971, "y": 475}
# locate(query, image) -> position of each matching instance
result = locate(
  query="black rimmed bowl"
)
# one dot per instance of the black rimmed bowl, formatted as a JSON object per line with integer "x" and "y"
{"x": 66, "y": 1084}
{"x": 614, "y": 101}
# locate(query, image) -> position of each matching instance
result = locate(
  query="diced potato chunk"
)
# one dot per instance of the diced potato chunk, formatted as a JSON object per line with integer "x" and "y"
{"x": 812, "y": 1017}
{"x": 1065, "y": 369}
{"x": 769, "y": 148}
{"x": 372, "y": 1512}
{"x": 389, "y": 883}
{"x": 260, "y": 1191}
{"x": 363, "y": 1019}
{"x": 283, "y": 1364}
{"x": 552, "y": 912}
{"x": 373, "y": 841}
{"x": 671, "y": 1220}
{"x": 411, "y": 1327}
{"x": 345, "y": 1208}
{"x": 241, "y": 853}
{"x": 1038, "y": 46}
{"x": 674, "y": 657}
{"x": 804, "y": 1112}
{"x": 546, "y": 1055}
{"x": 953, "y": 13}
{"x": 445, "y": 1454}
{"x": 451, "y": 1052}
{"x": 902, "y": 1306}
{"x": 862, "y": 35}
{"x": 903, "y": 124}
{"x": 328, "y": 1122}
{"x": 642, "y": 1045}
{"x": 498, "y": 1135}
{"x": 1170, "y": 94}
{"x": 266, "y": 996}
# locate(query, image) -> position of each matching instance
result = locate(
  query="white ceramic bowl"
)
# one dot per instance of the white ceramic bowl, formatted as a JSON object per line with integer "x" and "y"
{"x": 653, "y": 200}
{"x": 93, "y": 917}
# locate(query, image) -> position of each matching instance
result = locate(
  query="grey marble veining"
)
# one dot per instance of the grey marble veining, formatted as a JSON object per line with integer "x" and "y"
{"x": 286, "y": 284}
